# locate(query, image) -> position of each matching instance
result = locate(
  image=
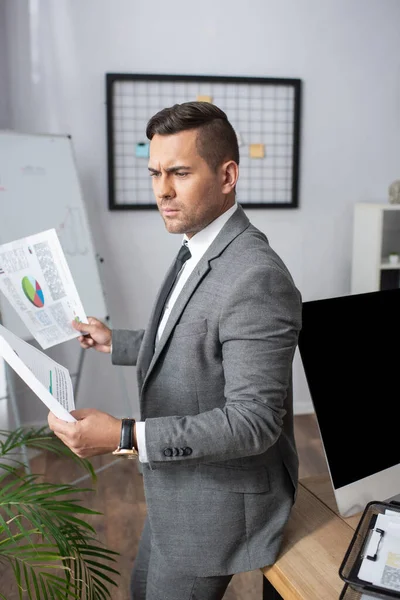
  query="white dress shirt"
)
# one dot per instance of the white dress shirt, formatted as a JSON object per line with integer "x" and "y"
{"x": 198, "y": 244}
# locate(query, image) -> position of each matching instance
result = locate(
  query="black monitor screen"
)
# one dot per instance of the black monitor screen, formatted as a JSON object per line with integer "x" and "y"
{"x": 350, "y": 349}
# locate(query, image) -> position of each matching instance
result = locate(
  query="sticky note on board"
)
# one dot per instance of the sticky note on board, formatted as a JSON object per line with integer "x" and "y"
{"x": 203, "y": 98}
{"x": 257, "y": 150}
{"x": 142, "y": 149}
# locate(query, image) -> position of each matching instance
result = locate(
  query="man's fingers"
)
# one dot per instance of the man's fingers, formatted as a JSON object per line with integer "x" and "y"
{"x": 57, "y": 425}
{"x": 86, "y": 342}
{"x": 94, "y": 334}
{"x": 81, "y": 413}
{"x": 84, "y": 327}
{"x": 94, "y": 321}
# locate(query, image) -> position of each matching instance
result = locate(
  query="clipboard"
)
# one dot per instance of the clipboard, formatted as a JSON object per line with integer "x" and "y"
{"x": 365, "y": 548}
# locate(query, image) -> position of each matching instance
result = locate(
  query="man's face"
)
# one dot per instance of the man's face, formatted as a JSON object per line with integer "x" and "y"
{"x": 189, "y": 194}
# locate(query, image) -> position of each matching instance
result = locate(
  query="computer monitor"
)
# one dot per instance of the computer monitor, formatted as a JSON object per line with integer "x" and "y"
{"x": 350, "y": 350}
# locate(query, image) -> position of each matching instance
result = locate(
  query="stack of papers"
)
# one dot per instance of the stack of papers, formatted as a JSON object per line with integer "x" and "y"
{"x": 36, "y": 280}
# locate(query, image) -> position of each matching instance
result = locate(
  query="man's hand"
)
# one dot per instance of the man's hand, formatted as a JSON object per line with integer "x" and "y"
{"x": 99, "y": 335}
{"x": 95, "y": 432}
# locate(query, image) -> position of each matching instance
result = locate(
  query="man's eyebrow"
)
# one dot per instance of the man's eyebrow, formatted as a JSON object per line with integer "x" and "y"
{"x": 171, "y": 169}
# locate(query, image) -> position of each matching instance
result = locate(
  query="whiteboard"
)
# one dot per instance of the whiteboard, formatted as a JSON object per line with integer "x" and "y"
{"x": 3, "y": 383}
{"x": 40, "y": 190}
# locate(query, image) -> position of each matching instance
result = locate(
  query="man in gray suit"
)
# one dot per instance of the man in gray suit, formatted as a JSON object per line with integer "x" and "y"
{"x": 214, "y": 370}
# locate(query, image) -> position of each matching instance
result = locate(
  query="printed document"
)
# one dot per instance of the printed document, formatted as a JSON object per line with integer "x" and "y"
{"x": 36, "y": 280}
{"x": 381, "y": 555}
{"x": 50, "y": 381}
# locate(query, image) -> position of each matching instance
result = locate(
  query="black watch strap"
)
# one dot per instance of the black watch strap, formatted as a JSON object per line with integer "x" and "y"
{"x": 126, "y": 441}
{"x": 126, "y": 445}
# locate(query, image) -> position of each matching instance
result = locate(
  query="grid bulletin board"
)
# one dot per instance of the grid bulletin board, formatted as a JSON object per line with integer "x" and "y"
{"x": 264, "y": 112}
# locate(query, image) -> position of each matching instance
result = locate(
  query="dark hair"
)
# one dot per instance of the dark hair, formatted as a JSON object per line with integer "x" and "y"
{"x": 216, "y": 139}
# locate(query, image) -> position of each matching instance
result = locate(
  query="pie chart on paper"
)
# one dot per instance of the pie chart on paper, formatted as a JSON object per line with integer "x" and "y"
{"x": 33, "y": 291}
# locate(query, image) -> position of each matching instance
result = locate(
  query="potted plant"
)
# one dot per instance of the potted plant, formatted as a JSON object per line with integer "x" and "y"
{"x": 393, "y": 257}
{"x": 52, "y": 550}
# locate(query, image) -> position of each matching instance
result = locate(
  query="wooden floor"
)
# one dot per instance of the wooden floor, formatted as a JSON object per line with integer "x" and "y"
{"x": 118, "y": 495}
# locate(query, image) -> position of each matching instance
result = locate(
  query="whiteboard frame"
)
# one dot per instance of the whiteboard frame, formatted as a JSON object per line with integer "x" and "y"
{"x": 9, "y": 317}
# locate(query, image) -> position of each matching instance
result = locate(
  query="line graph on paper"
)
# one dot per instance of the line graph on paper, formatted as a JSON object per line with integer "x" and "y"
{"x": 71, "y": 232}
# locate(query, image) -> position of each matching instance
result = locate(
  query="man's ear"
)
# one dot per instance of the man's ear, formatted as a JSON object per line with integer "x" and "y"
{"x": 230, "y": 174}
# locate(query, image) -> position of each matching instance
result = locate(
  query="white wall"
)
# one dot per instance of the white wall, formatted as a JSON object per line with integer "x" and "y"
{"x": 4, "y": 95}
{"x": 4, "y": 123}
{"x": 347, "y": 52}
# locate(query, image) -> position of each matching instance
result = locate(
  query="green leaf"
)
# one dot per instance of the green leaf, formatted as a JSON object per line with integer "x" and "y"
{"x": 17, "y": 572}
{"x": 101, "y": 591}
{"x": 102, "y": 575}
{"x": 27, "y": 586}
{"x": 35, "y": 584}
{"x": 100, "y": 566}
{"x": 41, "y": 439}
{"x": 42, "y": 581}
{"x": 42, "y": 531}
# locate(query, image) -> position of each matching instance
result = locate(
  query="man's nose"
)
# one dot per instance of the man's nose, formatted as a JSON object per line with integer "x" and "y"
{"x": 165, "y": 188}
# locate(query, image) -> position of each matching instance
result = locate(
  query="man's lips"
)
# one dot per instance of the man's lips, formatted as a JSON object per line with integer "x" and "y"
{"x": 168, "y": 211}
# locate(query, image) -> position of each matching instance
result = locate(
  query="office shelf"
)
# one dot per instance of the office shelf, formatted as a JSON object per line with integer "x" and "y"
{"x": 376, "y": 233}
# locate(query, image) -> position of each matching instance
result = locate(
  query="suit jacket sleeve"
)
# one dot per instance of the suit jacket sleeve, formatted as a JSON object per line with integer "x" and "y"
{"x": 126, "y": 346}
{"x": 254, "y": 337}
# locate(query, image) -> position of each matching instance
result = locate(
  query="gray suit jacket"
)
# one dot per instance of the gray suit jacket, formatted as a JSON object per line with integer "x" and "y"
{"x": 216, "y": 395}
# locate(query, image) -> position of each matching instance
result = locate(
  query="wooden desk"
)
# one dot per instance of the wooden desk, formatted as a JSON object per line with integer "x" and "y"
{"x": 316, "y": 541}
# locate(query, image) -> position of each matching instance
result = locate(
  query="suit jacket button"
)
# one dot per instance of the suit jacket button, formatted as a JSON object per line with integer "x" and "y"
{"x": 176, "y": 452}
{"x": 187, "y": 451}
{"x": 168, "y": 452}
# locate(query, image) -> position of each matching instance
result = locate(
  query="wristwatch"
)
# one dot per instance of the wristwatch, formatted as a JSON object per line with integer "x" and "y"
{"x": 126, "y": 446}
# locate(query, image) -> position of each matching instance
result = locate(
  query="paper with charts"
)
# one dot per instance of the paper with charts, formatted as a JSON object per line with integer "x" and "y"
{"x": 36, "y": 279}
{"x": 50, "y": 381}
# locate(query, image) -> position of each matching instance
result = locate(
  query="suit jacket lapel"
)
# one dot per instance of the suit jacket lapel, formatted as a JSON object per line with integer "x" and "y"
{"x": 183, "y": 298}
{"x": 235, "y": 226}
{"x": 147, "y": 345}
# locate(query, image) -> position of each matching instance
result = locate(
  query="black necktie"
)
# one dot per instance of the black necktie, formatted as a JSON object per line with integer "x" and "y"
{"x": 182, "y": 256}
